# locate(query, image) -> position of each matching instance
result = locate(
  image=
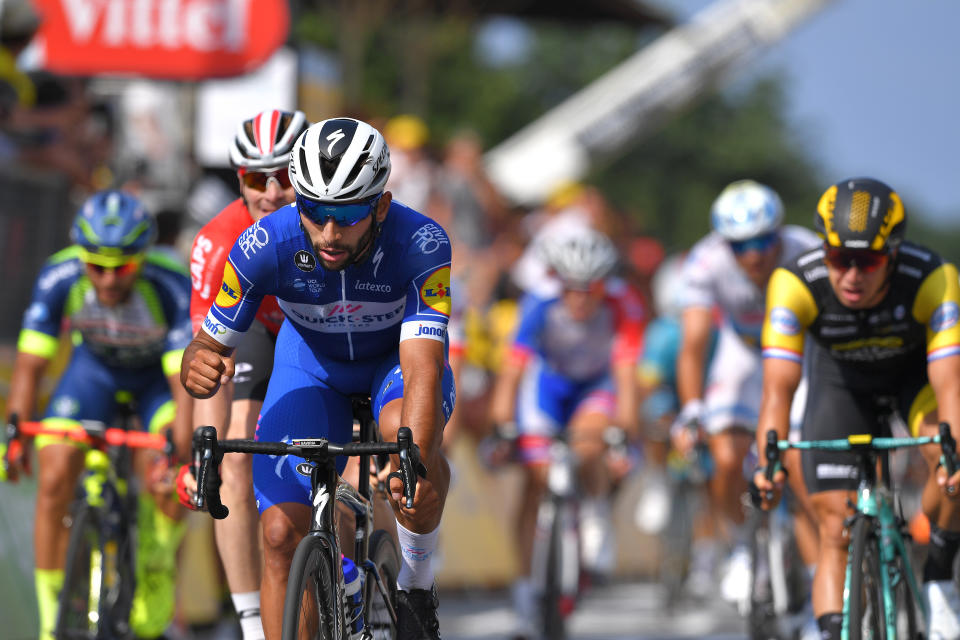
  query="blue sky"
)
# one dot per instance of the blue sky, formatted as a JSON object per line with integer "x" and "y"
{"x": 874, "y": 89}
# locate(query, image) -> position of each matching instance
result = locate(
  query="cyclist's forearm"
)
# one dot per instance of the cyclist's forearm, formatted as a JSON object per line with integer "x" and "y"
{"x": 27, "y": 371}
{"x": 625, "y": 383}
{"x": 422, "y": 368}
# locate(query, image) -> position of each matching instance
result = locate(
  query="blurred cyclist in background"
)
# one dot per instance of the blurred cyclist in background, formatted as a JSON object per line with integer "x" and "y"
{"x": 571, "y": 368}
{"x": 727, "y": 272}
{"x": 127, "y": 310}
{"x": 260, "y": 153}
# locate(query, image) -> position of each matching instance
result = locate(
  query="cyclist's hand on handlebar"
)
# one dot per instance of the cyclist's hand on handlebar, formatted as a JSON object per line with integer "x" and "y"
{"x": 15, "y": 460}
{"x": 950, "y": 486}
{"x": 686, "y": 428}
{"x": 205, "y": 371}
{"x": 768, "y": 491}
{"x": 187, "y": 487}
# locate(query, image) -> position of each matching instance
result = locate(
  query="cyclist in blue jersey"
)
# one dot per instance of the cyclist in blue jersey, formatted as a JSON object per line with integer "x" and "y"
{"x": 364, "y": 282}
{"x": 127, "y": 309}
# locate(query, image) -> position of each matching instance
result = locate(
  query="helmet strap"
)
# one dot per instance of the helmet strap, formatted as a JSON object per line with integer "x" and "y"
{"x": 371, "y": 238}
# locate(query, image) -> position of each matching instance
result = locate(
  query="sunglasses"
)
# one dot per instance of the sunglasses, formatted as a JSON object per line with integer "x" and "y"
{"x": 122, "y": 269}
{"x": 758, "y": 243}
{"x": 863, "y": 259}
{"x": 258, "y": 180}
{"x": 345, "y": 215}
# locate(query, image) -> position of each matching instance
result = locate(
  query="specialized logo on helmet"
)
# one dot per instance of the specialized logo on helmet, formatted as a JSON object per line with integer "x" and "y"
{"x": 333, "y": 138}
{"x": 435, "y": 292}
{"x": 230, "y": 290}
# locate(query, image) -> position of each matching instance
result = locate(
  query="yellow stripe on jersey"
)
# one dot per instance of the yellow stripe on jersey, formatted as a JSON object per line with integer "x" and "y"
{"x": 937, "y": 306}
{"x": 790, "y": 310}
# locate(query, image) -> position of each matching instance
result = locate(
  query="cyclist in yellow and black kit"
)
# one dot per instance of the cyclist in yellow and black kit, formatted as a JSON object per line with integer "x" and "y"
{"x": 883, "y": 317}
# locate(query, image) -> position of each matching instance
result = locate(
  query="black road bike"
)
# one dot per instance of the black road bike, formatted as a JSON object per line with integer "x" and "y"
{"x": 316, "y": 605}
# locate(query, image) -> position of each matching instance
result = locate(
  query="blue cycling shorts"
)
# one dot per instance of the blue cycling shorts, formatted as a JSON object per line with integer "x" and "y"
{"x": 309, "y": 397}
{"x": 547, "y": 401}
{"x": 88, "y": 390}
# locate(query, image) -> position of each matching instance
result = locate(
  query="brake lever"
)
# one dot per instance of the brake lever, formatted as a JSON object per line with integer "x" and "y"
{"x": 410, "y": 465}
{"x": 207, "y": 458}
{"x": 948, "y": 450}
{"x": 772, "y": 454}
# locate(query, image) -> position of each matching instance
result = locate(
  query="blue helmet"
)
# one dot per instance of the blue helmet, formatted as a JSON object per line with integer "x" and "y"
{"x": 746, "y": 209}
{"x": 112, "y": 226}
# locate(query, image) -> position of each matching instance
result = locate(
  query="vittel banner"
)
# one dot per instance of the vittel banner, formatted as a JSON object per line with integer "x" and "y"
{"x": 167, "y": 39}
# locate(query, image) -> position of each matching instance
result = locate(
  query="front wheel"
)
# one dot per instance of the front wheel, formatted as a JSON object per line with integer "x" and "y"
{"x": 556, "y": 564}
{"x": 380, "y": 597}
{"x": 311, "y": 610}
{"x": 865, "y": 613}
{"x": 79, "y": 606}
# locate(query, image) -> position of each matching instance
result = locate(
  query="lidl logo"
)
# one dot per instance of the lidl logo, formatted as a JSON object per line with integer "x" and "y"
{"x": 230, "y": 291}
{"x": 435, "y": 291}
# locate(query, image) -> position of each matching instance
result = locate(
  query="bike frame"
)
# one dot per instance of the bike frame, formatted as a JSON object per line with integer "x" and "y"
{"x": 875, "y": 501}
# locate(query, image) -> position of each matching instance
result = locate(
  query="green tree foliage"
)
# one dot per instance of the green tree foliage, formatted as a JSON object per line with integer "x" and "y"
{"x": 664, "y": 183}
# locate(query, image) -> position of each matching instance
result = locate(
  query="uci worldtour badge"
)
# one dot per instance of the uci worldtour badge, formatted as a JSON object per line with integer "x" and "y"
{"x": 305, "y": 261}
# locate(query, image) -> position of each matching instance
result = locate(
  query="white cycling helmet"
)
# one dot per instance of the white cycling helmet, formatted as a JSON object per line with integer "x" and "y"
{"x": 579, "y": 257}
{"x": 667, "y": 287}
{"x": 340, "y": 160}
{"x": 746, "y": 209}
{"x": 265, "y": 140}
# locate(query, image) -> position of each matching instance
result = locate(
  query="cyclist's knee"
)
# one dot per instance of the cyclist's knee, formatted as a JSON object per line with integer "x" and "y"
{"x": 831, "y": 514}
{"x": 58, "y": 471}
{"x": 280, "y": 537}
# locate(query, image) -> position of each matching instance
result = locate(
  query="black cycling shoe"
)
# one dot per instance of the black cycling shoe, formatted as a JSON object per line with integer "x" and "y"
{"x": 417, "y": 614}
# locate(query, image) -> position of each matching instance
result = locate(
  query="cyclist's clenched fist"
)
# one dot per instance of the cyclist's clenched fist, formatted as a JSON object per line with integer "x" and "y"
{"x": 206, "y": 365}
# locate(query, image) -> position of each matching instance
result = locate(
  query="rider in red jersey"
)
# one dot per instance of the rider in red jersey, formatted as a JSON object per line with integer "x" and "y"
{"x": 260, "y": 153}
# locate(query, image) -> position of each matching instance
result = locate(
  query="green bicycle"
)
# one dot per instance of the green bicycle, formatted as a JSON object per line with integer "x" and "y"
{"x": 881, "y": 598}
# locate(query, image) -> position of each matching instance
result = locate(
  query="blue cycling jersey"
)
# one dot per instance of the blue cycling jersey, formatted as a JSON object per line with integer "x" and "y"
{"x": 152, "y": 324}
{"x": 400, "y": 291}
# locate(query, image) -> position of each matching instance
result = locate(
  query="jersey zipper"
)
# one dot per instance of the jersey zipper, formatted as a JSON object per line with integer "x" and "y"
{"x": 343, "y": 301}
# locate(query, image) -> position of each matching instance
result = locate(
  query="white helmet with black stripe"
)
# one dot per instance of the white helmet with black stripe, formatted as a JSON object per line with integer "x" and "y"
{"x": 340, "y": 160}
{"x": 265, "y": 140}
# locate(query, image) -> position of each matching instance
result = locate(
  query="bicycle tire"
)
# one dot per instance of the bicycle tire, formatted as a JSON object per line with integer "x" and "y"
{"x": 762, "y": 616}
{"x": 677, "y": 544}
{"x": 555, "y": 565}
{"x": 310, "y": 608}
{"x": 865, "y": 608}
{"x": 908, "y": 627}
{"x": 79, "y": 604}
{"x": 386, "y": 559}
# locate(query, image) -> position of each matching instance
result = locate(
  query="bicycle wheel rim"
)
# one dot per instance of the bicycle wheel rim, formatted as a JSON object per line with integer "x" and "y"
{"x": 377, "y": 605}
{"x": 865, "y": 610}
{"x": 79, "y": 604}
{"x": 310, "y": 609}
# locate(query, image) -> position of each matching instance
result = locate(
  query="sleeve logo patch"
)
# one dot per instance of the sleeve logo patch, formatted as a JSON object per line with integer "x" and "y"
{"x": 944, "y": 317}
{"x": 230, "y": 290}
{"x": 435, "y": 291}
{"x": 784, "y": 321}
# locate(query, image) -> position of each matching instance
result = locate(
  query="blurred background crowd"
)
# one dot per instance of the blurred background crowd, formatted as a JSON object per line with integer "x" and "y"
{"x": 450, "y": 85}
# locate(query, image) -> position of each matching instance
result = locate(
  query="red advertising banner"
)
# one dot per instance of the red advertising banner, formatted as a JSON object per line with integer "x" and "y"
{"x": 166, "y": 39}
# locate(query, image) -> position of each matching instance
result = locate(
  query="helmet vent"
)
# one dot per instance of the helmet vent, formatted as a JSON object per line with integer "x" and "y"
{"x": 328, "y": 168}
{"x": 349, "y": 195}
{"x": 366, "y": 147}
{"x": 859, "y": 209}
{"x": 305, "y": 171}
{"x": 357, "y": 166}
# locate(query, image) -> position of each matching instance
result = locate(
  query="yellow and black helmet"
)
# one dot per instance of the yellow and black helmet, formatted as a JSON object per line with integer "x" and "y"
{"x": 861, "y": 213}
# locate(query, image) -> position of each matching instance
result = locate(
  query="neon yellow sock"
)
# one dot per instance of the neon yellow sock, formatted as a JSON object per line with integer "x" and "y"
{"x": 49, "y": 582}
{"x": 155, "y": 598}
